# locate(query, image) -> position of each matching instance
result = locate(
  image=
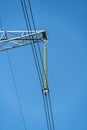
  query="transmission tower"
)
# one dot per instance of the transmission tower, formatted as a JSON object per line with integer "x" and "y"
{"x": 14, "y": 39}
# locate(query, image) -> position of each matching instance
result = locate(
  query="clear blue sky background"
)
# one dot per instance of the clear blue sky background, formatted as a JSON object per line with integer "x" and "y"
{"x": 66, "y": 24}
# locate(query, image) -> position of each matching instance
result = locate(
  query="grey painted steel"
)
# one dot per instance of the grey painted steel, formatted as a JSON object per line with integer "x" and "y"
{"x": 14, "y": 39}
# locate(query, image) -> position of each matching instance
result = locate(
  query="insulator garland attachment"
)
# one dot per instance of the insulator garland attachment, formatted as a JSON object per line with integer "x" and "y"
{"x": 45, "y": 87}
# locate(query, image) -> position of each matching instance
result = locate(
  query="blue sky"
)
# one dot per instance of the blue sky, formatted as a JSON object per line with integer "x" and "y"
{"x": 66, "y": 24}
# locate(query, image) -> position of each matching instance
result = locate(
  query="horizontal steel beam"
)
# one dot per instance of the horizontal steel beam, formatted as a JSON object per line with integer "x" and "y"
{"x": 15, "y": 39}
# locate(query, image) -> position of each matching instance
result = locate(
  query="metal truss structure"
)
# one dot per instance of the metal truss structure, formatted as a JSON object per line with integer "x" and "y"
{"x": 14, "y": 39}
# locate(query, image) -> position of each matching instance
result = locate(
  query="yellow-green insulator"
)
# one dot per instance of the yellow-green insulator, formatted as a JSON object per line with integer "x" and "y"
{"x": 45, "y": 87}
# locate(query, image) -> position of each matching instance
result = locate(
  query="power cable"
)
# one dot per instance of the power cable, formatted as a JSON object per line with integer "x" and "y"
{"x": 49, "y": 108}
{"x": 38, "y": 70}
{"x": 25, "y": 12}
{"x": 50, "y": 105}
{"x": 18, "y": 98}
{"x": 15, "y": 86}
{"x": 48, "y": 111}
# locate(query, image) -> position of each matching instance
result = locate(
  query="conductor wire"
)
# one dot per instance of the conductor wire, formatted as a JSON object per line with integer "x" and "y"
{"x": 15, "y": 87}
{"x": 49, "y": 98}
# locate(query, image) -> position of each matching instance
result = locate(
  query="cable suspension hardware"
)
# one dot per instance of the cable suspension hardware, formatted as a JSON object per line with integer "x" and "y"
{"x": 46, "y": 92}
{"x": 45, "y": 87}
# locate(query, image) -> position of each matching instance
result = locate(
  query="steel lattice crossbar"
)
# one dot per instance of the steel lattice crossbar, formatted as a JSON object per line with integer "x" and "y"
{"x": 14, "y": 39}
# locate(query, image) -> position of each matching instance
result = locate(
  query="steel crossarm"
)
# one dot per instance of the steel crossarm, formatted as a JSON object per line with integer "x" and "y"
{"x": 14, "y": 39}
